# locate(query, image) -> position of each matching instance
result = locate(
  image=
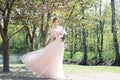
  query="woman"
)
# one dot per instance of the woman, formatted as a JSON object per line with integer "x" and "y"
{"x": 47, "y": 62}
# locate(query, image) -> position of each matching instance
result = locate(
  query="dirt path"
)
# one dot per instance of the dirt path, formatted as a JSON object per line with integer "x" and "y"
{"x": 94, "y": 76}
{"x": 23, "y": 74}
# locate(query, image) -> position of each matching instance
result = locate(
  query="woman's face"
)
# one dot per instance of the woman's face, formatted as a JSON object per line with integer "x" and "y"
{"x": 56, "y": 22}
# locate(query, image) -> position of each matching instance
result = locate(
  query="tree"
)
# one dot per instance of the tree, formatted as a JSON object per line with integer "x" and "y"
{"x": 39, "y": 12}
{"x": 5, "y": 11}
{"x": 100, "y": 29}
{"x": 45, "y": 32}
{"x": 84, "y": 59}
{"x": 114, "y": 32}
{"x": 32, "y": 16}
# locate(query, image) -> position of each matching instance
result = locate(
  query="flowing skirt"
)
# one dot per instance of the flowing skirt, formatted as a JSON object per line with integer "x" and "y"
{"x": 48, "y": 61}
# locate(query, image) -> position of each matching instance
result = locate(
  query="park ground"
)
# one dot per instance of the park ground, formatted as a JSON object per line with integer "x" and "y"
{"x": 72, "y": 72}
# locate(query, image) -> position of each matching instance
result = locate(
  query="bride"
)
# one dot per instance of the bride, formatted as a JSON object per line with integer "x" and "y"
{"x": 48, "y": 61}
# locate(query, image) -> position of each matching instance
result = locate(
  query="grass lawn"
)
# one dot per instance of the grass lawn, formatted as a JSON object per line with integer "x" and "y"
{"x": 81, "y": 69}
{"x": 72, "y": 72}
{"x": 69, "y": 68}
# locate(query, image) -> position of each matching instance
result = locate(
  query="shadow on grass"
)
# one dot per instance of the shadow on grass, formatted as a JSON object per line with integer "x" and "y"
{"x": 20, "y": 78}
{"x": 19, "y": 74}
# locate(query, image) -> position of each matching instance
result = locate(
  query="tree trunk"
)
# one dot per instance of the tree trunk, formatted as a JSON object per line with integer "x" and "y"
{"x": 31, "y": 45}
{"x": 100, "y": 36}
{"x": 41, "y": 30}
{"x": 84, "y": 60}
{"x": 30, "y": 36}
{"x": 5, "y": 46}
{"x": 114, "y": 32}
{"x": 46, "y": 30}
{"x": 5, "y": 56}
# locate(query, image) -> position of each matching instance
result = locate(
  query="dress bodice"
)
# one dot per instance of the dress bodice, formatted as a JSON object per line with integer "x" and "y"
{"x": 58, "y": 32}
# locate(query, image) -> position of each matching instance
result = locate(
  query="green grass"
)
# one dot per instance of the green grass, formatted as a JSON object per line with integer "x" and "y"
{"x": 69, "y": 68}
{"x": 83, "y": 69}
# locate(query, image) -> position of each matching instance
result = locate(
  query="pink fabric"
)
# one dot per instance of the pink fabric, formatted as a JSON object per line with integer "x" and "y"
{"x": 47, "y": 62}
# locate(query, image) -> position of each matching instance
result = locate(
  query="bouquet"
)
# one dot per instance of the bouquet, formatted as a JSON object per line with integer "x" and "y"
{"x": 63, "y": 38}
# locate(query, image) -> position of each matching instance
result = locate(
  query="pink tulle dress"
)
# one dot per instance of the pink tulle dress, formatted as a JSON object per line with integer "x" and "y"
{"x": 48, "y": 61}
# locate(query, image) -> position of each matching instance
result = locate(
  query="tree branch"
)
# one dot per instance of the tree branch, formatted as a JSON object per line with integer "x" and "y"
{"x": 11, "y": 4}
{"x": 1, "y": 32}
{"x": 72, "y": 9}
{"x": 9, "y": 8}
{"x": 15, "y": 33}
{"x": 1, "y": 9}
{"x": 33, "y": 32}
{"x": 27, "y": 31}
{"x": 48, "y": 19}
